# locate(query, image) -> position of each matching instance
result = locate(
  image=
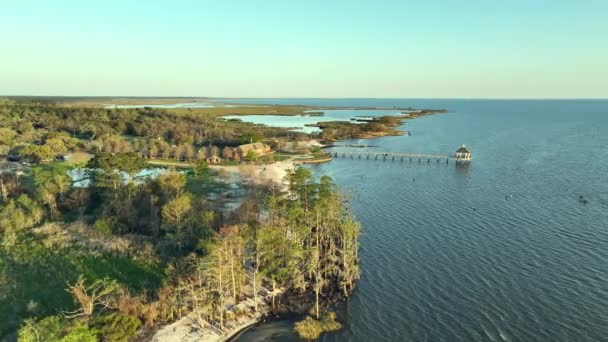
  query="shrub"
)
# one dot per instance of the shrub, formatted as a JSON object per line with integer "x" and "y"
{"x": 109, "y": 225}
{"x": 56, "y": 329}
{"x": 80, "y": 332}
{"x": 117, "y": 327}
{"x": 311, "y": 329}
{"x": 46, "y": 329}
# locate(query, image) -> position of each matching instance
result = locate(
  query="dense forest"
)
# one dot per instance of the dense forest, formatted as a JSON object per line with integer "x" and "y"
{"x": 35, "y": 132}
{"x": 117, "y": 259}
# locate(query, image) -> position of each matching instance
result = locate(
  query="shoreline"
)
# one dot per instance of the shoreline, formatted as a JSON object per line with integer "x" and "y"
{"x": 184, "y": 329}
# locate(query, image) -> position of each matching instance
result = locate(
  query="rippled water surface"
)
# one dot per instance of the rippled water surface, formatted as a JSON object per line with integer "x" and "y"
{"x": 501, "y": 250}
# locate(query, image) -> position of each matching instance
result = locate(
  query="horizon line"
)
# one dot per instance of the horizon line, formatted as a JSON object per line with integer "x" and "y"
{"x": 303, "y": 97}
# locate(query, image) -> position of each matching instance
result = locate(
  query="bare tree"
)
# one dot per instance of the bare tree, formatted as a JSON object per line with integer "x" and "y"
{"x": 98, "y": 295}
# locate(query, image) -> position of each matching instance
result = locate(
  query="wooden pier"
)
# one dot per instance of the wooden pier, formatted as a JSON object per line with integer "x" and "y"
{"x": 462, "y": 155}
{"x": 395, "y": 156}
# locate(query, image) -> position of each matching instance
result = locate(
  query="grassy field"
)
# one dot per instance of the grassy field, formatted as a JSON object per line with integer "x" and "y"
{"x": 79, "y": 158}
{"x": 170, "y": 163}
{"x": 245, "y": 110}
{"x": 220, "y": 110}
{"x": 38, "y": 277}
{"x": 122, "y": 101}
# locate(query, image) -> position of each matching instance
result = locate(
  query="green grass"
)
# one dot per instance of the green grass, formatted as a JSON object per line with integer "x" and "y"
{"x": 274, "y": 157}
{"x": 311, "y": 329}
{"x": 76, "y": 159}
{"x": 170, "y": 163}
{"x": 40, "y": 275}
{"x": 227, "y": 162}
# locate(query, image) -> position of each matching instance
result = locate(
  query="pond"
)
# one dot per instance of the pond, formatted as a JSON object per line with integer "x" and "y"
{"x": 81, "y": 176}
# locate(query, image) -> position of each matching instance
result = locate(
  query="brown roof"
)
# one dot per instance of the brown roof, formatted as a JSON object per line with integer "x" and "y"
{"x": 259, "y": 145}
{"x": 463, "y": 149}
{"x": 255, "y": 146}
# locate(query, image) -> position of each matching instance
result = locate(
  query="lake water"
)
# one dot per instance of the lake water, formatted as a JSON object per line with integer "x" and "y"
{"x": 299, "y": 122}
{"x": 501, "y": 250}
{"x": 81, "y": 177}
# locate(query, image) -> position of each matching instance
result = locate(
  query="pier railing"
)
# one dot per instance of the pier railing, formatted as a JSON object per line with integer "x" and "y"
{"x": 402, "y": 156}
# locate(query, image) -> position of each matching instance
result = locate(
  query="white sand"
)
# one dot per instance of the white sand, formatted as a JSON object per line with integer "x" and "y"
{"x": 185, "y": 330}
{"x": 259, "y": 174}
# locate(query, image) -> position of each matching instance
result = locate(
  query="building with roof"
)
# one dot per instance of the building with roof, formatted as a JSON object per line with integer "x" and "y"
{"x": 463, "y": 153}
{"x": 258, "y": 148}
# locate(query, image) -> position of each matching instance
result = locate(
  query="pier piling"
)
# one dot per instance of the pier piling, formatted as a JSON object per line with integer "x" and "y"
{"x": 393, "y": 156}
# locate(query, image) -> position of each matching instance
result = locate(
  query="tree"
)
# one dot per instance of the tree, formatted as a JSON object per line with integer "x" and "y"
{"x": 210, "y": 285}
{"x": 178, "y": 152}
{"x": 250, "y": 156}
{"x": 57, "y": 145}
{"x": 171, "y": 183}
{"x": 80, "y": 332}
{"x": 106, "y": 169}
{"x": 117, "y": 327}
{"x": 227, "y": 153}
{"x": 96, "y": 296}
{"x": 7, "y": 136}
{"x": 51, "y": 183}
{"x": 16, "y": 217}
{"x": 278, "y": 256}
{"x": 201, "y": 154}
{"x": 233, "y": 247}
{"x": 249, "y": 137}
{"x": 164, "y": 150}
{"x": 198, "y": 292}
{"x": 36, "y": 154}
{"x": 153, "y": 151}
{"x": 47, "y": 329}
{"x": 129, "y": 162}
{"x": 252, "y": 239}
{"x": 201, "y": 170}
{"x": 188, "y": 153}
{"x": 175, "y": 220}
{"x": 214, "y": 151}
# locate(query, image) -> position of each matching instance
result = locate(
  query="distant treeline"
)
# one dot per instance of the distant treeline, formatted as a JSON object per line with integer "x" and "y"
{"x": 52, "y": 129}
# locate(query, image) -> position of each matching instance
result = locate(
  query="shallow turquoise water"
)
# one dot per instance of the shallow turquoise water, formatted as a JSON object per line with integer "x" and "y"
{"x": 501, "y": 250}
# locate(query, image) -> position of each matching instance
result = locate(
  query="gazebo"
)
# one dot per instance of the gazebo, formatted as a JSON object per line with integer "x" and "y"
{"x": 463, "y": 153}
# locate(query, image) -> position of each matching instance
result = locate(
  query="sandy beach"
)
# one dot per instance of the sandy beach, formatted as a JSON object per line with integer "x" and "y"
{"x": 259, "y": 174}
{"x": 185, "y": 330}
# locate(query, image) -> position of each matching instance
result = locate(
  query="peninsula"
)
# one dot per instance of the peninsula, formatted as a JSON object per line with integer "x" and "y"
{"x": 161, "y": 222}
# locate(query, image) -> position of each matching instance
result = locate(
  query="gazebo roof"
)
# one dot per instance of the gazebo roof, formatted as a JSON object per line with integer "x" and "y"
{"x": 463, "y": 149}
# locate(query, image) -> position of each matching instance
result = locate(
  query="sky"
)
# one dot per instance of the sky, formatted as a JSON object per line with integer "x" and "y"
{"x": 313, "y": 48}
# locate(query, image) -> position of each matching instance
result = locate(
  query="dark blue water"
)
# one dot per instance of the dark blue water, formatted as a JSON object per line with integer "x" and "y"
{"x": 501, "y": 250}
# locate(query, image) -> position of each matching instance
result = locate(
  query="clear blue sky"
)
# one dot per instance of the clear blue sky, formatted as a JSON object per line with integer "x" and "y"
{"x": 313, "y": 48}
